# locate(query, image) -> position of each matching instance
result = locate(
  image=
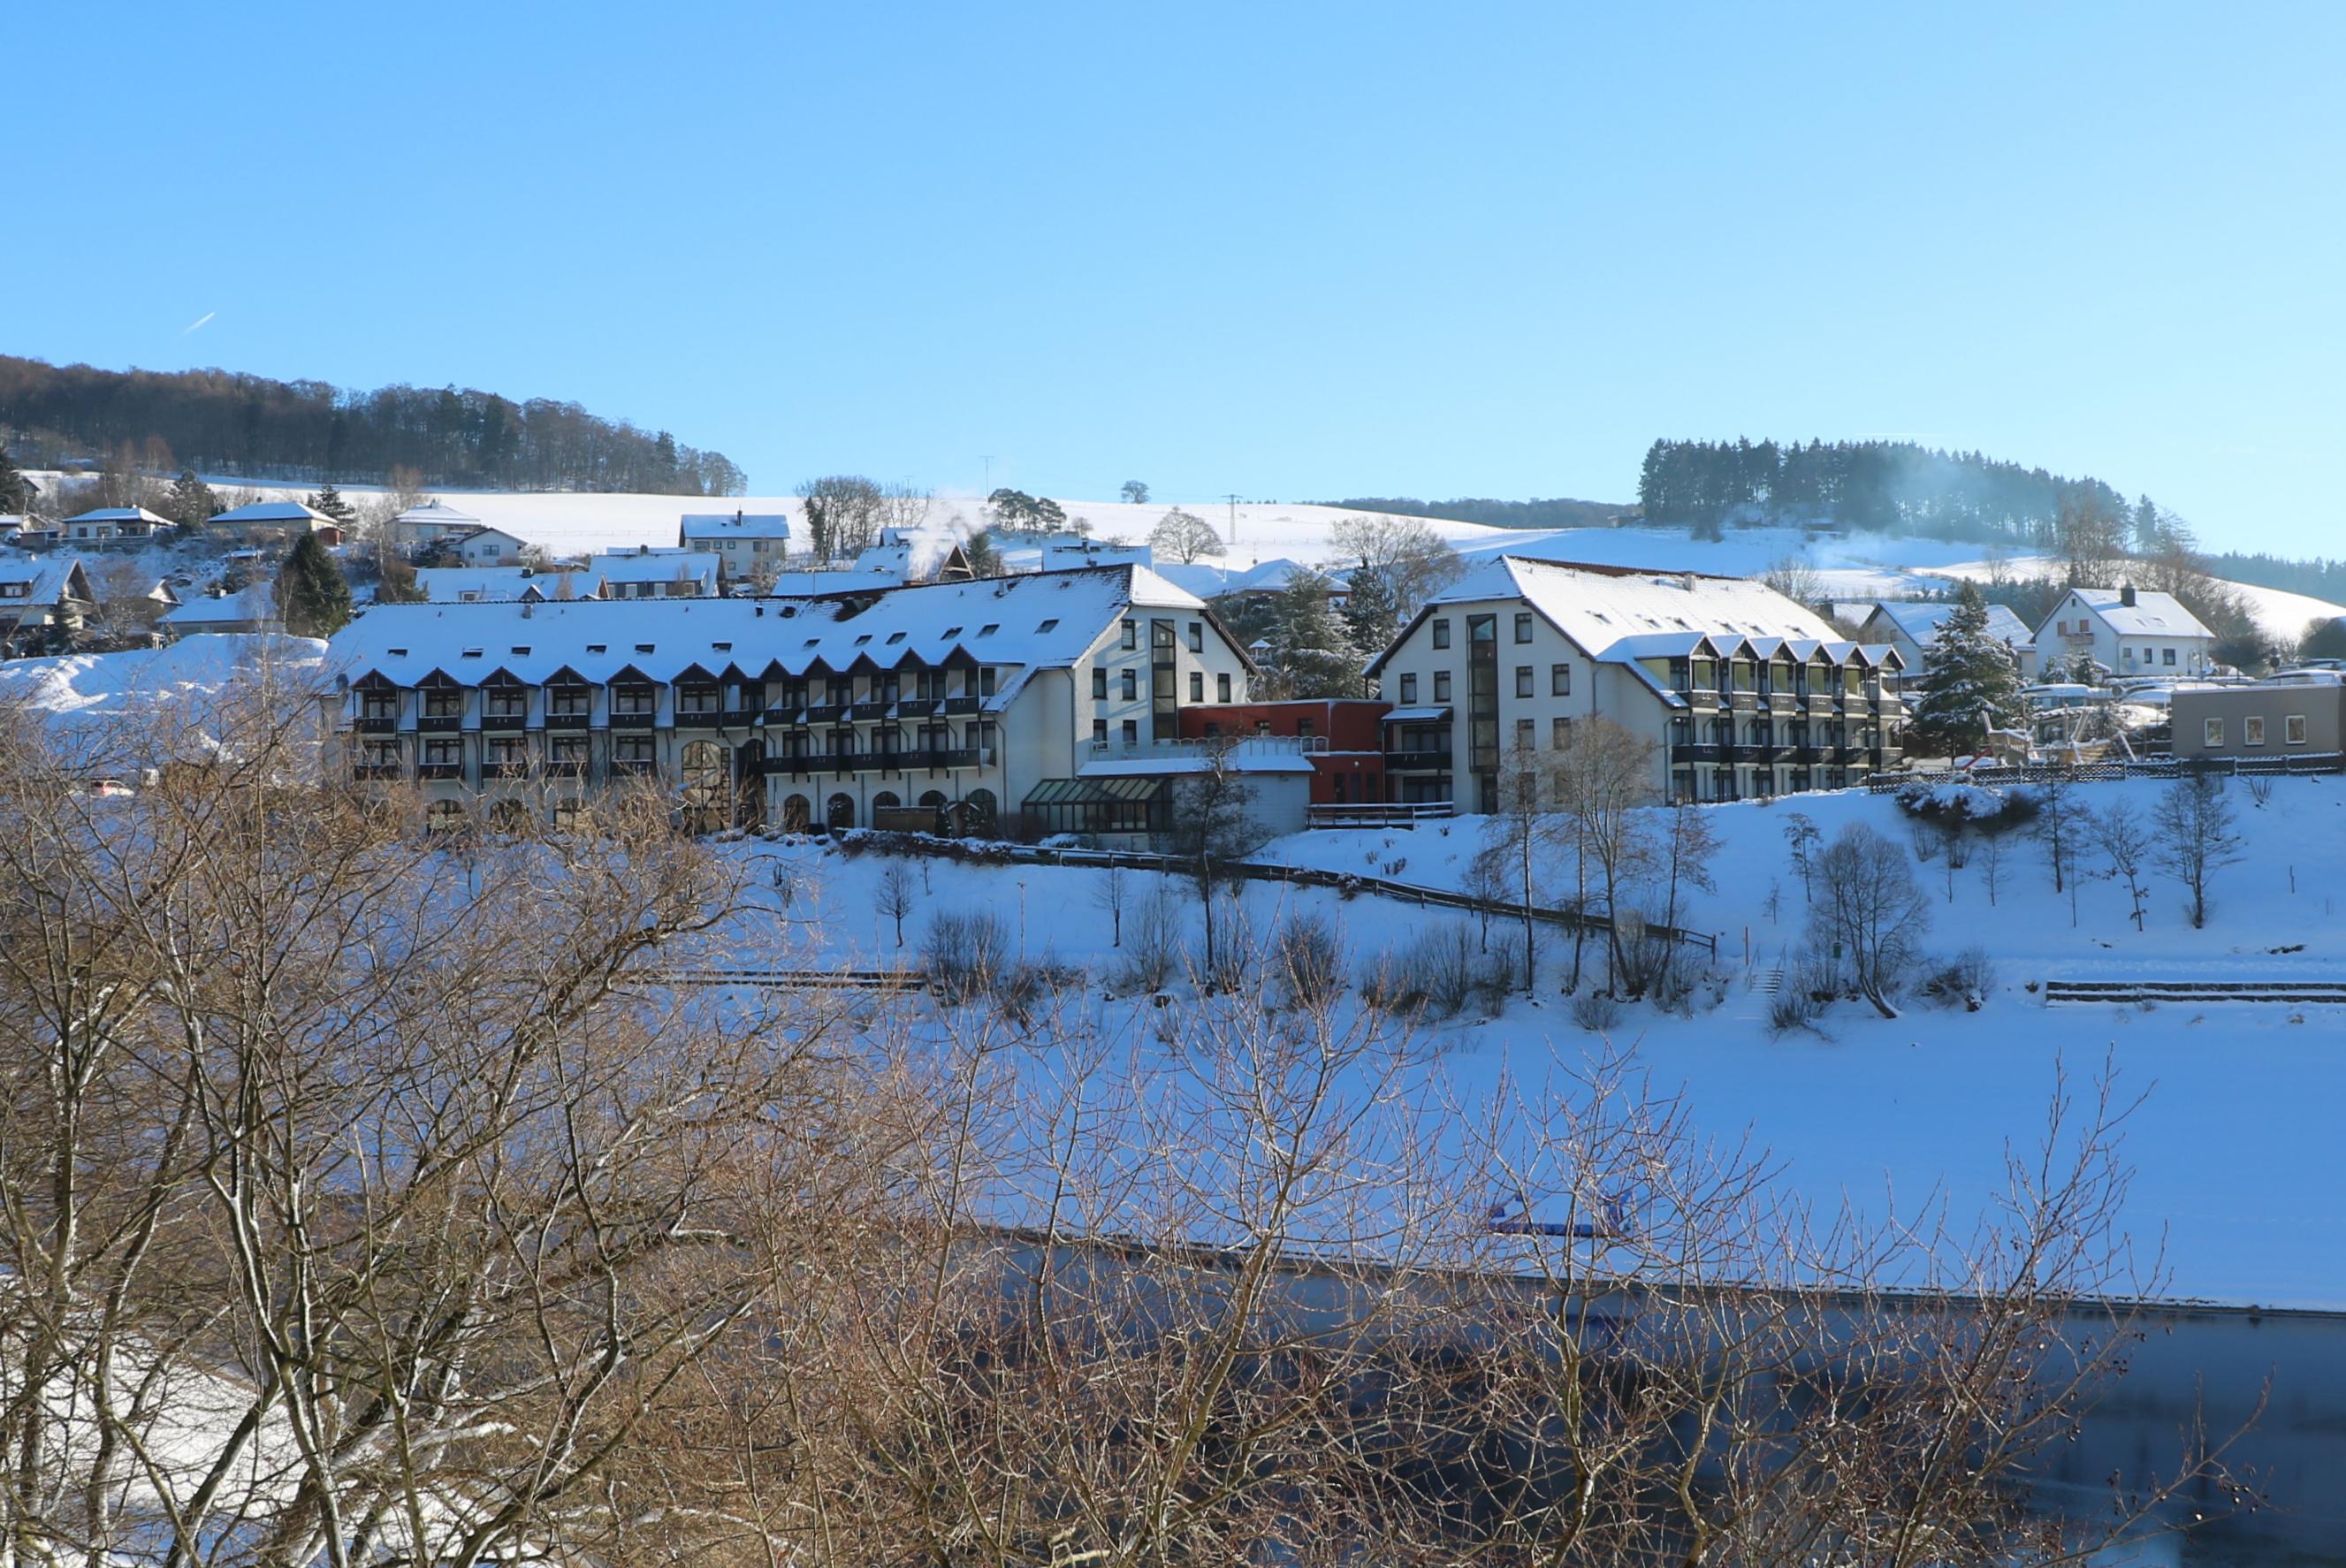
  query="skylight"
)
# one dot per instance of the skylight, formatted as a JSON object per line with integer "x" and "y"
{"x": 472, "y": 652}
{"x": 598, "y": 648}
{"x": 895, "y": 638}
{"x": 953, "y": 631}
{"x": 988, "y": 629}
{"x": 521, "y": 648}
{"x": 722, "y": 647}
{"x": 647, "y": 648}
{"x": 1051, "y": 625}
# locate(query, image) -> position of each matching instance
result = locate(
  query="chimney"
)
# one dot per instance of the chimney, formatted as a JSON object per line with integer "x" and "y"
{"x": 2126, "y": 595}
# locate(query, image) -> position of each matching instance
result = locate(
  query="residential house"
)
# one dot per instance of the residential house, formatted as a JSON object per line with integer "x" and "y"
{"x": 491, "y": 585}
{"x": 749, "y": 546}
{"x": 1741, "y": 691}
{"x": 285, "y": 520}
{"x": 487, "y": 547}
{"x": 1065, "y": 552}
{"x": 2301, "y": 713}
{"x": 647, "y": 572}
{"x": 114, "y": 528}
{"x": 2129, "y": 631}
{"x": 252, "y": 608}
{"x": 429, "y": 523}
{"x": 1909, "y": 626}
{"x": 962, "y": 701}
{"x": 44, "y": 602}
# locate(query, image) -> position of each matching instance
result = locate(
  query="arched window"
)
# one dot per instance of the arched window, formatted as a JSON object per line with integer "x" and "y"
{"x": 443, "y": 817}
{"x": 934, "y": 800}
{"x": 839, "y": 811}
{"x": 569, "y": 816}
{"x": 506, "y": 816}
{"x": 981, "y": 812}
{"x": 884, "y": 801}
{"x": 798, "y": 813}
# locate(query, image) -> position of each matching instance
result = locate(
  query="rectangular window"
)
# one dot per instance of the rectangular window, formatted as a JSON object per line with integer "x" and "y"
{"x": 1441, "y": 686}
{"x": 1559, "y": 680}
{"x": 442, "y": 704}
{"x": 1441, "y": 634}
{"x": 1196, "y": 636}
{"x": 1131, "y": 685}
{"x": 443, "y": 753}
{"x": 1221, "y": 689}
{"x": 2166, "y": 655}
{"x": 1560, "y": 733}
{"x": 1099, "y": 684}
{"x": 1305, "y": 727}
{"x": 1525, "y": 736}
{"x": 1131, "y": 633}
{"x": 2211, "y": 732}
{"x": 1132, "y": 732}
{"x": 1409, "y": 688}
{"x": 985, "y": 681}
{"x": 1099, "y": 732}
{"x": 2252, "y": 731}
{"x": 2292, "y": 730}
{"x": 1196, "y": 686}
{"x": 1523, "y": 680}
{"x": 1523, "y": 626}
{"x": 634, "y": 748}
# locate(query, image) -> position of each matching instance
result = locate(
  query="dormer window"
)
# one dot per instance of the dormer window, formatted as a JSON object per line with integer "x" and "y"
{"x": 472, "y": 652}
{"x": 599, "y": 647}
{"x": 721, "y": 648}
{"x": 522, "y": 649}
{"x": 398, "y": 653}
{"x": 647, "y": 648}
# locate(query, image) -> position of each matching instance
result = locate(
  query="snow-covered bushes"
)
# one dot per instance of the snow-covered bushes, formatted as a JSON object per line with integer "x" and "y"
{"x": 965, "y": 953}
{"x": 1957, "y": 804}
{"x": 1307, "y": 962}
{"x": 1962, "y": 981}
{"x": 1806, "y": 990}
{"x": 1440, "y": 972}
{"x": 1596, "y": 1011}
{"x": 1153, "y": 951}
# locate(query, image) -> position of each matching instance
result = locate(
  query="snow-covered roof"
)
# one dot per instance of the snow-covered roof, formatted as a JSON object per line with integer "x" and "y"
{"x": 274, "y": 511}
{"x": 42, "y": 579}
{"x": 447, "y": 585}
{"x": 120, "y": 514}
{"x": 256, "y": 602}
{"x": 1211, "y": 580}
{"x": 843, "y": 580}
{"x": 2152, "y": 614}
{"x": 435, "y": 513}
{"x": 734, "y": 526}
{"x": 1067, "y": 551}
{"x": 650, "y": 565}
{"x": 1920, "y": 622}
{"x": 1031, "y": 622}
{"x": 1416, "y": 714}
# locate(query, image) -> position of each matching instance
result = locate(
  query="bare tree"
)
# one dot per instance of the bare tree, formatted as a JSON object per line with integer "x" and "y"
{"x": 2196, "y": 836}
{"x": 1413, "y": 562}
{"x": 1519, "y": 836}
{"x": 844, "y": 513}
{"x": 1802, "y": 838}
{"x": 2125, "y": 843}
{"x": 1112, "y": 893}
{"x": 1869, "y": 913}
{"x": 895, "y": 896}
{"x": 1213, "y": 825}
{"x": 1184, "y": 536}
{"x": 1602, "y": 777}
{"x": 1797, "y": 579}
{"x": 2063, "y": 822}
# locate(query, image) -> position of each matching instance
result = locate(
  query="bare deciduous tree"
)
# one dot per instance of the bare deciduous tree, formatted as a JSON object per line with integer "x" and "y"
{"x": 1184, "y": 536}
{"x": 1868, "y": 913}
{"x": 844, "y": 513}
{"x": 1412, "y": 560}
{"x": 896, "y": 897}
{"x": 2195, "y": 837}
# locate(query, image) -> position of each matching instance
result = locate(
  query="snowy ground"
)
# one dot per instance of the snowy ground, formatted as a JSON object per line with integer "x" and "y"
{"x": 2241, "y": 1099}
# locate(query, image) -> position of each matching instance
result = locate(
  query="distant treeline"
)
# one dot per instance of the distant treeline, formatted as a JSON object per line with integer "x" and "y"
{"x": 1878, "y": 486}
{"x": 2324, "y": 579}
{"x": 225, "y": 422}
{"x": 1558, "y": 513}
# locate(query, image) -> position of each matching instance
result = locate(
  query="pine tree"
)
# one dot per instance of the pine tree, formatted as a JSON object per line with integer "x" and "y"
{"x": 1969, "y": 681}
{"x": 329, "y": 503}
{"x": 1370, "y": 616}
{"x": 312, "y": 597}
{"x": 16, "y": 490}
{"x": 192, "y": 503}
{"x": 1308, "y": 642}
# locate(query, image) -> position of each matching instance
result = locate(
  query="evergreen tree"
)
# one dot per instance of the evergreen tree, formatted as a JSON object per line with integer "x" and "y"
{"x": 16, "y": 490}
{"x": 328, "y": 501}
{"x": 1969, "y": 681}
{"x": 312, "y": 597}
{"x": 192, "y": 503}
{"x": 985, "y": 560}
{"x": 1370, "y": 616}
{"x": 1308, "y": 642}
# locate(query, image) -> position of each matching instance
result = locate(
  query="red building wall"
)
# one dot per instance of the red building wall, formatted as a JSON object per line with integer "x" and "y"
{"x": 1350, "y": 770}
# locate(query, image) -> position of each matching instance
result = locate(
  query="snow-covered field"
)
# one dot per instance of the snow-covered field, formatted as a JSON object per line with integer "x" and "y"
{"x": 2233, "y": 1177}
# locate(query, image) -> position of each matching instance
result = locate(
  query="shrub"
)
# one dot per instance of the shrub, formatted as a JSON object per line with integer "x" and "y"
{"x": 1596, "y": 1011}
{"x": 1962, "y": 981}
{"x": 1957, "y": 805}
{"x": 1434, "y": 975}
{"x": 1152, "y": 947}
{"x": 965, "y": 953}
{"x": 1307, "y": 962}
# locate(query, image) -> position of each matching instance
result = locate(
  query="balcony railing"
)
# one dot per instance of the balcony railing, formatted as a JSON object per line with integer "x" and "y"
{"x": 813, "y": 762}
{"x": 634, "y": 767}
{"x": 509, "y": 769}
{"x": 1696, "y": 751}
{"x": 786, "y": 715}
{"x": 1417, "y": 761}
{"x": 565, "y": 768}
{"x": 568, "y": 720}
{"x": 698, "y": 718}
{"x": 871, "y": 709}
{"x": 377, "y": 723}
{"x": 376, "y": 770}
{"x": 964, "y": 704}
{"x": 639, "y": 720}
{"x": 439, "y": 770}
{"x": 503, "y": 720}
{"x": 826, "y": 712}
{"x": 1208, "y": 746}
{"x": 743, "y": 718}
{"x": 439, "y": 723}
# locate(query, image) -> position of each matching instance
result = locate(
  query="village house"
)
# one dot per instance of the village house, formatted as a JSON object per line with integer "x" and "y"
{"x": 2128, "y": 632}
{"x": 427, "y": 524}
{"x": 1049, "y": 702}
{"x": 1741, "y": 691}
{"x": 114, "y": 528}
{"x": 649, "y": 572}
{"x": 1909, "y": 626}
{"x": 2301, "y": 713}
{"x": 43, "y": 601}
{"x": 1341, "y": 738}
{"x": 282, "y": 520}
{"x": 749, "y": 546}
{"x": 252, "y": 608}
{"x": 478, "y": 584}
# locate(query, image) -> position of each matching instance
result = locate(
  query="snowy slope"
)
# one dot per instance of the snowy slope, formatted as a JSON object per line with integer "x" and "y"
{"x": 118, "y": 712}
{"x": 2230, "y": 1147}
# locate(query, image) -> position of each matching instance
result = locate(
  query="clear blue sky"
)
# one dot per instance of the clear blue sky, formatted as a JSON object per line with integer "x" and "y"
{"x": 1292, "y": 251}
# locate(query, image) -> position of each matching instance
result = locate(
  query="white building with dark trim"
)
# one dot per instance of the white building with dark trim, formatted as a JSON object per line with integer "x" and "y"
{"x": 948, "y": 704}
{"x": 2129, "y": 631}
{"x": 1742, "y": 691}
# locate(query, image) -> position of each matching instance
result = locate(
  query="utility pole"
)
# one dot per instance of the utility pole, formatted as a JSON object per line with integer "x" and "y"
{"x": 1233, "y": 499}
{"x": 988, "y": 461}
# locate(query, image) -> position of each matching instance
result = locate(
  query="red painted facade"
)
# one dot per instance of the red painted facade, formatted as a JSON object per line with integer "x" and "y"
{"x": 1351, "y": 772}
